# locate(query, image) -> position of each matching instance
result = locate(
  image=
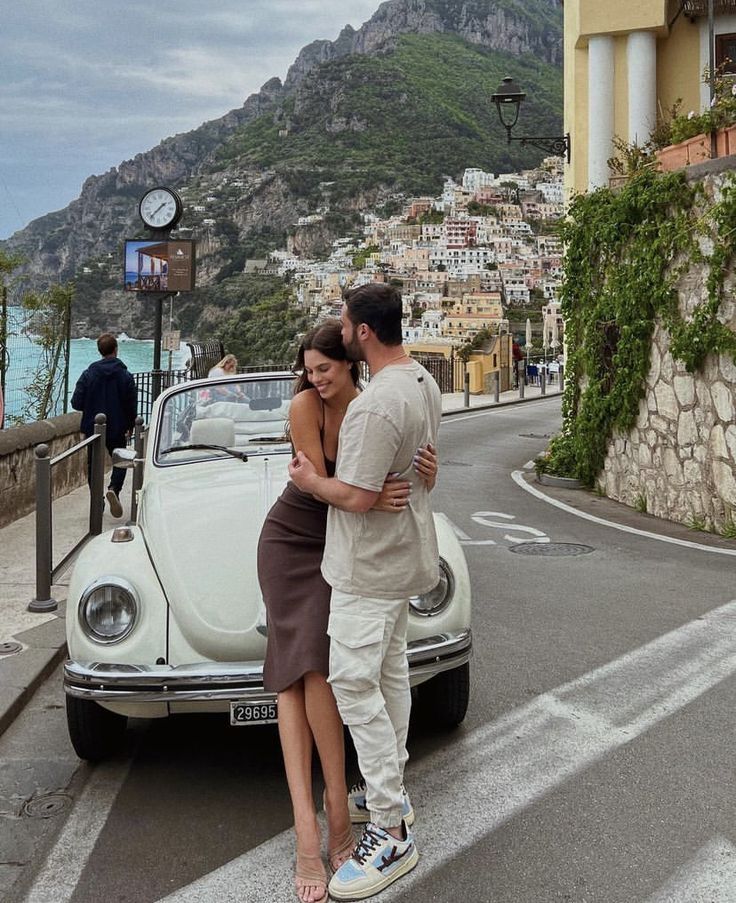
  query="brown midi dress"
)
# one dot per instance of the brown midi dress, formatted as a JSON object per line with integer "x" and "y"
{"x": 296, "y": 596}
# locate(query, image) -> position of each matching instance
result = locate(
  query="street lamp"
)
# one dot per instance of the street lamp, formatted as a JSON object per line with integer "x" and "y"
{"x": 508, "y": 98}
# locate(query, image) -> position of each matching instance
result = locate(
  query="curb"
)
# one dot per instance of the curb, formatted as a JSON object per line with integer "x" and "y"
{"x": 492, "y": 406}
{"x": 549, "y": 479}
{"x": 23, "y": 673}
{"x": 10, "y": 709}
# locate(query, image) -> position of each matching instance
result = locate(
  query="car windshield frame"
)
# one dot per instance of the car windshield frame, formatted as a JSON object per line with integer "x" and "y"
{"x": 216, "y": 405}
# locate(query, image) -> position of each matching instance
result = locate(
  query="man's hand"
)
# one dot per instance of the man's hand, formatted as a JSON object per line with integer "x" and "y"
{"x": 302, "y": 472}
{"x": 329, "y": 489}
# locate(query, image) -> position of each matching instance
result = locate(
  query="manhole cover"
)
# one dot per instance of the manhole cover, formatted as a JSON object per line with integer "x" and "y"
{"x": 47, "y": 806}
{"x": 10, "y": 648}
{"x": 551, "y": 549}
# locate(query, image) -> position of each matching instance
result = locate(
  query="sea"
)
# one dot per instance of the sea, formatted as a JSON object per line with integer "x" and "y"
{"x": 23, "y": 357}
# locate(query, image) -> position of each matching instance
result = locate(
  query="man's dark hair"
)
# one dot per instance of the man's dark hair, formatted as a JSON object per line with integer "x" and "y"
{"x": 107, "y": 344}
{"x": 378, "y": 306}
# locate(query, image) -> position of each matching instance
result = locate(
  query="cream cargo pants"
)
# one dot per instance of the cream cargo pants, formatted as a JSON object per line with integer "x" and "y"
{"x": 369, "y": 675}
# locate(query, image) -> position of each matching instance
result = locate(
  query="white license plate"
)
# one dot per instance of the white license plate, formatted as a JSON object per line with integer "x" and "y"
{"x": 255, "y": 711}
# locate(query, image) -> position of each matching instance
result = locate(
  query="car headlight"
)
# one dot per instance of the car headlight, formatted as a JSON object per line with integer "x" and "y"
{"x": 437, "y": 599}
{"x": 108, "y": 610}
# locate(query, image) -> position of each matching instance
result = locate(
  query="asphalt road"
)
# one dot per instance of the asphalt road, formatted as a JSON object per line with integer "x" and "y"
{"x": 595, "y": 764}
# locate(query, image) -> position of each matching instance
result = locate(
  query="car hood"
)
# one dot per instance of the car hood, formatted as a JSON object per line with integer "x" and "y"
{"x": 201, "y": 522}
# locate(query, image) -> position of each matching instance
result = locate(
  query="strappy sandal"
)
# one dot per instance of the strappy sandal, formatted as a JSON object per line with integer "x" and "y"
{"x": 340, "y": 848}
{"x": 310, "y": 872}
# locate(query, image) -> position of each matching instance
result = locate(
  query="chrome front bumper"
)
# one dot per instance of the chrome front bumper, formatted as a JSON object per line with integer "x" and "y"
{"x": 231, "y": 681}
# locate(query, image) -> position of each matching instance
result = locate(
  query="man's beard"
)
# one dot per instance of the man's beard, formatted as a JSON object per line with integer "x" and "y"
{"x": 353, "y": 350}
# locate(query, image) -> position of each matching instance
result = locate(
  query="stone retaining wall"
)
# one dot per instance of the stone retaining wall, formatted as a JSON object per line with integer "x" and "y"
{"x": 18, "y": 467}
{"x": 679, "y": 460}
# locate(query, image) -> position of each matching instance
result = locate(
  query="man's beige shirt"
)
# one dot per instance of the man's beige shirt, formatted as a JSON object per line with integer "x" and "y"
{"x": 380, "y": 554}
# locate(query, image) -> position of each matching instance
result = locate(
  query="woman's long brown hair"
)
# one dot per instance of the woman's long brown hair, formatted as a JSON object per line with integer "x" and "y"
{"x": 327, "y": 339}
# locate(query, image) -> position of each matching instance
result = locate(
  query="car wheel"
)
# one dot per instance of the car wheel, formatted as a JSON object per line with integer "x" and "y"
{"x": 96, "y": 733}
{"x": 443, "y": 700}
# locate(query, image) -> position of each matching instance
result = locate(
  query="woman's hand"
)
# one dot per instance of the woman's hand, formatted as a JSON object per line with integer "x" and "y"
{"x": 394, "y": 496}
{"x": 427, "y": 465}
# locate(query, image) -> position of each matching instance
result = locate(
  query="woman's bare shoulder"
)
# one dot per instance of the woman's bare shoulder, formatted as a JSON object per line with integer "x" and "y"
{"x": 306, "y": 405}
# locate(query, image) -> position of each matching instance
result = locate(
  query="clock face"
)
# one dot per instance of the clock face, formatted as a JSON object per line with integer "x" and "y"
{"x": 160, "y": 208}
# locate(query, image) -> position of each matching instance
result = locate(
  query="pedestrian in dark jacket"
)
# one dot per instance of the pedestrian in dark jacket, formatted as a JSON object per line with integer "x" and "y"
{"x": 106, "y": 387}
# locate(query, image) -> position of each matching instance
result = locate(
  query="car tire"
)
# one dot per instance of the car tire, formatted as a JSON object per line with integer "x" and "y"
{"x": 96, "y": 733}
{"x": 443, "y": 700}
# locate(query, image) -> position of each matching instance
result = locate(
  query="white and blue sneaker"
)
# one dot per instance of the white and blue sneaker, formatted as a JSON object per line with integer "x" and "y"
{"x": 358, "y": 808}
{"x": 378, "y": 860}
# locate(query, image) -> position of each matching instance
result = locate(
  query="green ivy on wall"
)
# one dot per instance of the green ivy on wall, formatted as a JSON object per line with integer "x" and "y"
{"x": 625, "y": 251}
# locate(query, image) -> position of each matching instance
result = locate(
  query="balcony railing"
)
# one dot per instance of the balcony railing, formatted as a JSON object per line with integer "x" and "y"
{"x": 700, "y": 7}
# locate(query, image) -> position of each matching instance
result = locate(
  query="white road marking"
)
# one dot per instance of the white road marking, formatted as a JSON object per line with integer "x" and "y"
{"x": 709, "y": 877}
{"x": 529, "y": 465}
{"x": 481, "y": 517}
{"x": 463, "y": 537}
{"x": 455, "y": 529}
{"x": 503, "y": 768}
{"x": 65, "y": 863}
{"x": 518, "y": 477}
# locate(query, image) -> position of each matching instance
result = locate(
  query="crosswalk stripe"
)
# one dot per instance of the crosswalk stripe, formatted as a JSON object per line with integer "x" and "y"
{"x": 709, "y": 877}
{"x": 65, "y": 863}
{"x": 502, "y": 768}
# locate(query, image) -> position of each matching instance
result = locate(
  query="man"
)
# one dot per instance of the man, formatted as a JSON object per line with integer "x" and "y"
{"x": 107, "y": 388}
{"x": 374, "y": 561}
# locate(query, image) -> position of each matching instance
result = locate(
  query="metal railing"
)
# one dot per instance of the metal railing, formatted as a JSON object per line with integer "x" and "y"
{"x": 46, "y": 571}
{"x": 151, "y": 383}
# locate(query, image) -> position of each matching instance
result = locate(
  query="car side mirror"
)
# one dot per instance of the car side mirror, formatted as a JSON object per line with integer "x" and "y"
{"x": 125, "y": 457}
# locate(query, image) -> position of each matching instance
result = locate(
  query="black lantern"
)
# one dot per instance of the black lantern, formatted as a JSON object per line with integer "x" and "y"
{"x": 508, "y": 98}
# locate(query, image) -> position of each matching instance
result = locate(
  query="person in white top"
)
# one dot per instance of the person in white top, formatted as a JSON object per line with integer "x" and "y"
{"x": 228, "y": 366}
{"x": 374, "y": 562}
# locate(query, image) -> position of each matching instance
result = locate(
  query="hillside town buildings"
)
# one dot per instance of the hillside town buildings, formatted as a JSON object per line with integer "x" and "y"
{"x": 463, "y": 259}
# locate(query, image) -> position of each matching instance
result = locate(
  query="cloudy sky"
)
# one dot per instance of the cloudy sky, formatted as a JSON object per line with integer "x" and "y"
{"x": 86, "y": 84}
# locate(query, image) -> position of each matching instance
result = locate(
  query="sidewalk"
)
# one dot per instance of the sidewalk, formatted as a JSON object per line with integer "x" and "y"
{"x": 42, "y": 636}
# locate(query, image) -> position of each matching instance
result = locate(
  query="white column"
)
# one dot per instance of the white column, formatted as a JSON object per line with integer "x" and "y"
{"x": 641, "y": 57}
{"x": 600, "y": 108}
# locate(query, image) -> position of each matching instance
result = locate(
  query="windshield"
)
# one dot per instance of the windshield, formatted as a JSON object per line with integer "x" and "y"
{"x": 237, "y": 413}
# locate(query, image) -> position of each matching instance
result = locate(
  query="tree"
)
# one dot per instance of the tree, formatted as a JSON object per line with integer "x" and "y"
{"x": 49, "y": 323}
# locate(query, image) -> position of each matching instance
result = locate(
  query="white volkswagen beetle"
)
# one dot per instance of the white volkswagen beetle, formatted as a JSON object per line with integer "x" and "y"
{"x": 166, "y": 615}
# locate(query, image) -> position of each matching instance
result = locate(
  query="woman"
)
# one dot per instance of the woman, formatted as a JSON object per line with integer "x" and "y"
{"x": 297, "y": 601}
{"x": 228, "y": 366}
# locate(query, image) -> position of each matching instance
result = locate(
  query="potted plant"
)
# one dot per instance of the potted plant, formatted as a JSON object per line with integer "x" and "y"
{"x": 686, "y": 138}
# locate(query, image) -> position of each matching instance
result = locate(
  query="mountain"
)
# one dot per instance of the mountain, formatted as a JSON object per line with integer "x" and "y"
{"x": 388, "y": 109}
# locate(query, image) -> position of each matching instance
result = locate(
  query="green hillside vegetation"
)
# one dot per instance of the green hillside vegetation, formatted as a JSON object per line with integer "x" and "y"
{"x": 265, "y": 332}
{"x": 403, "y": 120}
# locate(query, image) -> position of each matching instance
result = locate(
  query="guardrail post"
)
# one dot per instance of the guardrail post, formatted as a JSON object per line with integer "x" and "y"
{"x": 97, "y": 475}
{"x": 497, "y": 386}
{"x": 44, "y": 551}
{"x": 466, "y": 387}
{"x": 137, "y": 468}
{"x": 521, "y": 377}
{"x": 542, "y": 381}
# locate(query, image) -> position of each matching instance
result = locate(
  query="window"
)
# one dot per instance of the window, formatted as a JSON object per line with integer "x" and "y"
{"x": 726, "y": 50}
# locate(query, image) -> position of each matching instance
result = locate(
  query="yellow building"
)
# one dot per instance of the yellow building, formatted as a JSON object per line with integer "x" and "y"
{"x": 626, "y": 65}
{"x": 495, "y": 356}
{"x": 471, "y": 313}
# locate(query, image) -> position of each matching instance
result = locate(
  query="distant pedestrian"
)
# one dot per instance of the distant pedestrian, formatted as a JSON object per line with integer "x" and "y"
{"x": 106, "y": 387}
{"x": 228, "y": 366}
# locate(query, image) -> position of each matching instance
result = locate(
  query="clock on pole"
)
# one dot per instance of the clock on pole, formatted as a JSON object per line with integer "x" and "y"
{"x": 160, "y": 208}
